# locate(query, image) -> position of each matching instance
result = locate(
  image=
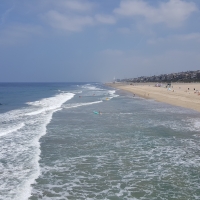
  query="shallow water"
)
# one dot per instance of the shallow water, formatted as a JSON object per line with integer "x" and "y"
{"x": 137, "y": 148}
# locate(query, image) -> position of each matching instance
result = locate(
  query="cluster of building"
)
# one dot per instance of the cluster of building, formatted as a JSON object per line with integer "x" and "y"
{"x": 189, "y": 76}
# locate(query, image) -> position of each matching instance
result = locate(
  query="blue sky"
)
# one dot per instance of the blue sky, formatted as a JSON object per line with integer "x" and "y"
{"x": 90, "y": 40}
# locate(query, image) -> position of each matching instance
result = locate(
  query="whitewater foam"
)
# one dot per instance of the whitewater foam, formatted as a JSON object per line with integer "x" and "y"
{"x": 112, "y": 93}
{"x": 80, "y": 104}
{"x": 7, "y": 130}
{"x": 21, "y": 147}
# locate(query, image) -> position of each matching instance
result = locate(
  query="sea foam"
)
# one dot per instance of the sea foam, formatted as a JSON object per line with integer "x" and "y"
{"x": 20, "y": 152}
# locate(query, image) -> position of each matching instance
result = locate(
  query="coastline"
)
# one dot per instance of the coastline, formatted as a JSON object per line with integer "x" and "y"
{"x": 185, "y": 95}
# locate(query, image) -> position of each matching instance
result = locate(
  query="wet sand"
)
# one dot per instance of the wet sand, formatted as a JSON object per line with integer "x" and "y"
{"x": 186, "y": 95}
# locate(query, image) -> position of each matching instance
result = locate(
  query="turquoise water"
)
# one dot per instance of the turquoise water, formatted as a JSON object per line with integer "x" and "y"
{"x": 55, "y": 147}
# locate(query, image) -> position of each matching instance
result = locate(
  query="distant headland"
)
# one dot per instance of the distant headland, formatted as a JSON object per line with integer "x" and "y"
{"x": 186, "y": 77}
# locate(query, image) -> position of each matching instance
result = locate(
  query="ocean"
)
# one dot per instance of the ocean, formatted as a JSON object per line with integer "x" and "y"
{"x": 76, "y": 141}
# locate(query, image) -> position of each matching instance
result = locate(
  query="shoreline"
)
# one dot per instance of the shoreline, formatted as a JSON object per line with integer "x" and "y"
{"x": 185, "y": 95}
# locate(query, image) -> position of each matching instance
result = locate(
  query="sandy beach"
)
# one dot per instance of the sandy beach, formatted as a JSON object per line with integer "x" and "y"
{"x": 179, "y": 94}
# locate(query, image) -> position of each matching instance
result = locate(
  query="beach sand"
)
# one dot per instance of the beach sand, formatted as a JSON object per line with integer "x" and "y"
{"x": 186, "y": 95}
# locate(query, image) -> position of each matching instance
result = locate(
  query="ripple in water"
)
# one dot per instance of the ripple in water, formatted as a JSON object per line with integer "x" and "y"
{"x": 130, "y": 152}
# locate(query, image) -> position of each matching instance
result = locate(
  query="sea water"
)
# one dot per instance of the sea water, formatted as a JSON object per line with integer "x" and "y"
{"x": 54, "y": 147}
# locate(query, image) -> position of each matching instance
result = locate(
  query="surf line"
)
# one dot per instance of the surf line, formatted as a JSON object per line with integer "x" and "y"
{"x": 59, "y": 100}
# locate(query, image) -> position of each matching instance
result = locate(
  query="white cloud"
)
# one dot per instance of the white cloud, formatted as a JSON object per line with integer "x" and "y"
{"x": 69, "y": 5}
{"x": 68, "y": 15}
{"x": 105, "y": 19}
{"x": 67, "y": 23}
{"x": 76, "y": 5}
{"x": 173, "y": 13}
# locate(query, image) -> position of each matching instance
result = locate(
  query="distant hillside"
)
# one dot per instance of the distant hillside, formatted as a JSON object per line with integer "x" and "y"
{"x": 189, "y": 76}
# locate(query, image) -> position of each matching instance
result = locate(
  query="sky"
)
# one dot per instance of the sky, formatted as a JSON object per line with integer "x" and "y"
{"x": 97, "y": 40}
